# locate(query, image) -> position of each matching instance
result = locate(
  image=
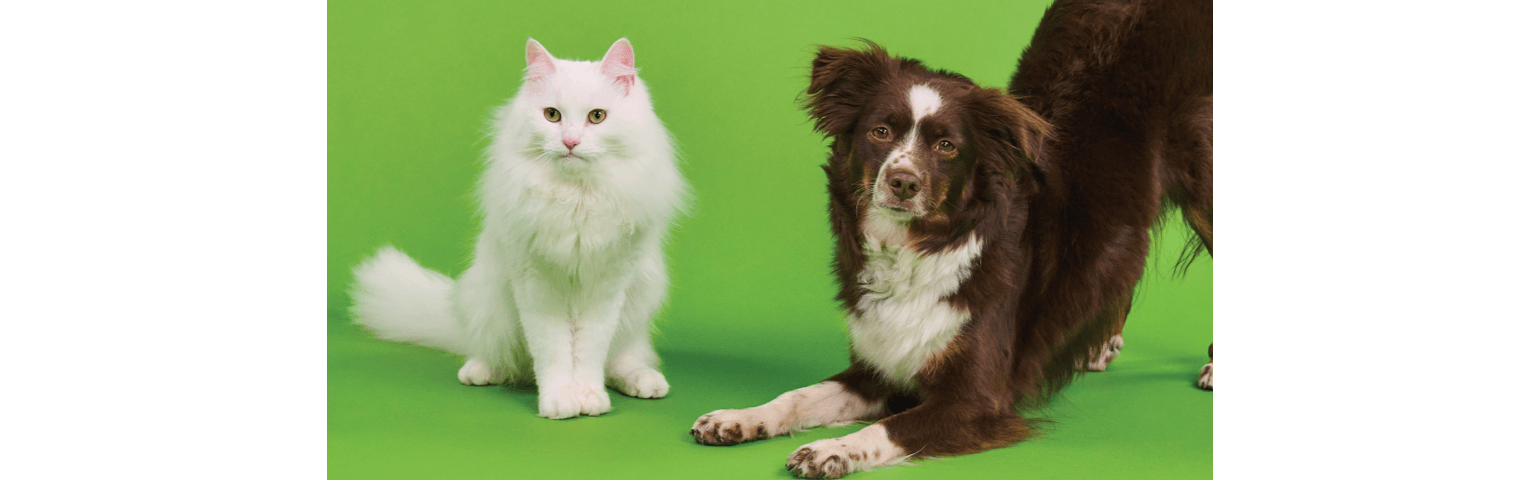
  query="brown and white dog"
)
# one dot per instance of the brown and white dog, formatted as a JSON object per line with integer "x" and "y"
{"x": 984, "y": 256}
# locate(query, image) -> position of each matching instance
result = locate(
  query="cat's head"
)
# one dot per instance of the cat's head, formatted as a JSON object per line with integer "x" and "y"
{"x": 578, "y": 113}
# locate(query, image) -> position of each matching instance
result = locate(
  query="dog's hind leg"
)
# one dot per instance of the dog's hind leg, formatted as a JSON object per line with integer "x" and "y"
{"x": 1206, "y": 376}
{"x": 1189, "y": 179}
{"x": 1188, "y": 171}
{"x": 1109, "y": 351}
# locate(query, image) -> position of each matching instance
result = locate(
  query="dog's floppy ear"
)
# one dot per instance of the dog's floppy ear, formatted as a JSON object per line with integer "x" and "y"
{"x": 1013, "y": 133}
{"x": 842, "y": 81}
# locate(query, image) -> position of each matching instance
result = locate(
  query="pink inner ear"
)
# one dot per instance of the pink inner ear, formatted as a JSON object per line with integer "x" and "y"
{"x": 538, "y": 62}
{"x": 625, "y": 82}
{"x": 620, "y": 62}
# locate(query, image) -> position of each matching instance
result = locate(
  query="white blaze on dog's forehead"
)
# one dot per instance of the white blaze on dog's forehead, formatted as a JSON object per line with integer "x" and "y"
{"x": 923, "y": 101}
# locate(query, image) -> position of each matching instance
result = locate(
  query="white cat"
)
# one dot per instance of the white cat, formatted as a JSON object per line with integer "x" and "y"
{"x": 580, "y": 188}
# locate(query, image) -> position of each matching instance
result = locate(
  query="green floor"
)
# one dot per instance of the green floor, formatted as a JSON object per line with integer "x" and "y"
{"x": 397, "y": 411}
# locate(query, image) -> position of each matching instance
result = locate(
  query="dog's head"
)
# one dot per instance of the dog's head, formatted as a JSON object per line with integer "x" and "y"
{"x": 915, "y": 144}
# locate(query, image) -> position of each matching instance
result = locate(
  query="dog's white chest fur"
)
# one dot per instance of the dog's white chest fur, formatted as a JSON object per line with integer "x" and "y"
{"x": 901, "y": 319}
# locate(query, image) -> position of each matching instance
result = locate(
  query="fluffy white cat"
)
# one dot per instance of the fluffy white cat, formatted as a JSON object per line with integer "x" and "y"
{"x": 581, "y": 186}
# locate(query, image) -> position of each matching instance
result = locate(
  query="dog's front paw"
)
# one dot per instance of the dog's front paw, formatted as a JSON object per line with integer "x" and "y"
{"x": 1103, "y": 357}
{"x": 837, "y": 457}
{"x": 819, "y": 460}
{"x": 730, "y": 427}
{"x": 1206, "y": 377}
{"x": 642, "y": 383}
{"x": 570, "y": 400}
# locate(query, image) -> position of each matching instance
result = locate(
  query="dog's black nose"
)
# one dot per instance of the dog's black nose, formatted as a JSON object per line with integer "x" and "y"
{"x": 903, "y": 184}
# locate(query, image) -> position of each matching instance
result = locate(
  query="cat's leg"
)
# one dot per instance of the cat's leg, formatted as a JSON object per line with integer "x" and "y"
{"x": 484, "y": 306}
{"x": 548, "y": 335}
{"x": 633, "y": 364}
{"x": 567, "y": 345}
{"x": 593, "y": 332}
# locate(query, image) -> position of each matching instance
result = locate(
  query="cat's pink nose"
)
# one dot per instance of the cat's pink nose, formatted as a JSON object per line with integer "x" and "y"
{"x": 570, "y": 143}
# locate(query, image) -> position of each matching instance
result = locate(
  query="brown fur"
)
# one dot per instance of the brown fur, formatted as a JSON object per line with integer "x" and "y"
{"x": 1065, "y": 212}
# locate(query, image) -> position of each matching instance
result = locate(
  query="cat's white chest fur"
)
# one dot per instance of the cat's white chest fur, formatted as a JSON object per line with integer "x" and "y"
{"x": 902, "y": 319}
{"x": 575, "y": 223}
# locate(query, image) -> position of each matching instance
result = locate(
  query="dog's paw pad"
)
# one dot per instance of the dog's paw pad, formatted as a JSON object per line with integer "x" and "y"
{"x": 807, "y": 462}
{"x": 729, "y": 427}
{"x": 837, "y": 457}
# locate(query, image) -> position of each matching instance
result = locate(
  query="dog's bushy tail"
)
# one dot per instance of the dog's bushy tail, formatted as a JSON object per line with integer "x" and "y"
{"x": 401, "y": 301}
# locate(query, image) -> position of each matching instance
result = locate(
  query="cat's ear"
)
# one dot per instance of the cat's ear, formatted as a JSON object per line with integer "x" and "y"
{"x": 538, "y": 62}
{"x": 620, "y": 64}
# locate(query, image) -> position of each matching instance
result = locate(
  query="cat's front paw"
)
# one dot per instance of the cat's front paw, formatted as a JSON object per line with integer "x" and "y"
{"x": 556, "y": 407}
{"x": 642, "y": 383}
{"x": 595, "y": 400}
{"x": 570, "y": 400}
{"x": 475, "y": 373}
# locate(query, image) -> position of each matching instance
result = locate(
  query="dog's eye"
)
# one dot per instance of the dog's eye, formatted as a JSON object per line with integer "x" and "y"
{"x": 880, "y": 133}
{"x": 552, "y": 115}
{"x": 946, "y": 147}
{"x": 596, "y": 116}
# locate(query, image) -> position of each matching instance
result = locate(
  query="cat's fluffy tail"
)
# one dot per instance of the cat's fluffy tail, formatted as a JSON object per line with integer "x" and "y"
{"x": 399, "y": 300}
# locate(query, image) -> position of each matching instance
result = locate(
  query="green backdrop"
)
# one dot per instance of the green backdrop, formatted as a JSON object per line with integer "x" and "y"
{"x": 410, "y": 86}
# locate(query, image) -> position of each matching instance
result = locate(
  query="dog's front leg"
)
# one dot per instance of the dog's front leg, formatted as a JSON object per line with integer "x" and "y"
{"x": 842, "y": 399}
{"x": 966, "y": 407}
{"x": 934, "y": 428}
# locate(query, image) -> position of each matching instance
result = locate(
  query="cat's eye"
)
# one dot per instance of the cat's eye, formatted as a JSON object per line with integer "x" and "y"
{"x": 596, "y": 116}
{"x": 552, "y": 115}
{"x": 946, "y": 147}
{"x": 880, "y": 133}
